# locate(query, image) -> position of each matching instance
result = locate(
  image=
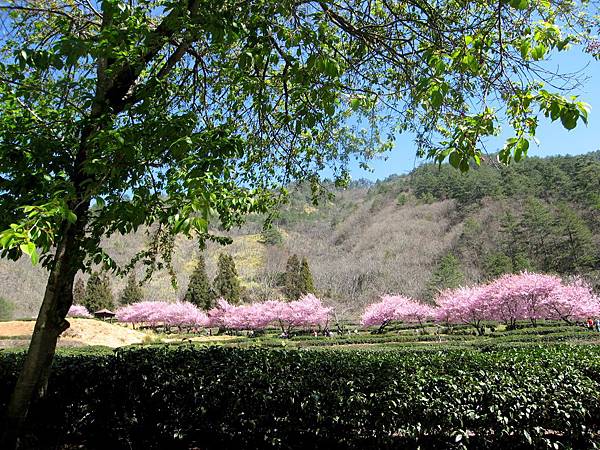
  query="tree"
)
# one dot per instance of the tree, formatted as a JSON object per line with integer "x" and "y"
{"x": 292, "y": 284}
{"x": 98, "y": 294}
{"x": 511, "y": 231}
{"x": 79, "y": 292}
{"x": 537, "y": 224}
{"x": 307, "y": 285}
{"x": 132, "y": 293}
{"x": 576, "y": 247}
{"x": 79, "y": 311}
{"x": 6, "y": 309}
{"x": 108, "y": 106}
{"x": 396, "y": 308}
{"x": 496, "y": 264}
{"x": 447, "y": 275}
{"x": 271, "y": 236}
{"x": 199, "y": 291}
{"x": 227, "y": 283}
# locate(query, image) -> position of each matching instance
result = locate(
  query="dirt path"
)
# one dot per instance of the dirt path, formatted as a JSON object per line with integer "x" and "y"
{"x": 82, "y": 332}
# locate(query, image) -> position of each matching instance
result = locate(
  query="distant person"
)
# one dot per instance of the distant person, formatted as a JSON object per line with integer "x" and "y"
{"x": 590, "y": 323}
{"x": 598, "y": 325}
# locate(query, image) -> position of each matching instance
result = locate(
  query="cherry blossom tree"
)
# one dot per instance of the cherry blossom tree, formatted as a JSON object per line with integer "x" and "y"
{"x": 396, "y": 308}
{"x": 464, "y": 305}
{"x": 79, "y": 311}
{"x": 180, "y": 314}
{"x": 305, "y": 312}
{"x": 521, "y": 296}
{"x": 572, "y": 301}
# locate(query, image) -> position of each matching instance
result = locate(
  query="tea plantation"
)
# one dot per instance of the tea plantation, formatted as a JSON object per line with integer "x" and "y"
{"x": 532, "y": 387}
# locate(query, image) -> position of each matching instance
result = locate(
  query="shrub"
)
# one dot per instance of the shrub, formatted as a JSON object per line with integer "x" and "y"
{"x": 186, "y": 396}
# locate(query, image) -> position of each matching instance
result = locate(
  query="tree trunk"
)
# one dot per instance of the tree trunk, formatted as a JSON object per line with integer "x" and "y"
{"x": 50, "y": 323}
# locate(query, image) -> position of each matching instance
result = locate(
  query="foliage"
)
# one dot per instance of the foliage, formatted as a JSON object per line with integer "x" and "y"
{"x": 79, "y": 292}
{"x": 558, "y": 178}
{"x": 79, "y": 311}
{"x": 267, "y": 398}
{"x": 98, "y": 293}
{"x": 115, "y": 105}
{"x": 132, "y": 293}
{"x": 306, "y": 278}
{"x": 496, "y": 264}
{"x": 297, "y": 279}
{"x": 447, "y": 274}
{"x": 271, "y": 236}
{"x": 6, "y": 309}
{"x": 227, "y": 284}
{"x": 199, "y": 291}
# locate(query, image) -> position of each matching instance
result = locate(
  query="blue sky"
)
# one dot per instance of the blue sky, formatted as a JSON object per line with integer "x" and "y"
{"x": 553, "y": 138}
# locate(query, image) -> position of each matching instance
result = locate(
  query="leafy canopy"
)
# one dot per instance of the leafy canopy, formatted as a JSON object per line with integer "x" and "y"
{"x": 167, "y": 113}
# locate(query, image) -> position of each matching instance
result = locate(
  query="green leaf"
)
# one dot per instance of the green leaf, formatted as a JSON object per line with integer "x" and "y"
{"x": 436, "y": 98}
{"x": 524, "y": 48}
{"x": 568, "y": 117}
{"x": 71, "y": 217}
{"x": 30, "y": 250}
{"x": 454, "y": 159}
{"x": 521, "y": 149}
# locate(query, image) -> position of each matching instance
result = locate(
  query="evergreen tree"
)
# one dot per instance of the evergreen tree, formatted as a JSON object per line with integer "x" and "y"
{"x": 79, "y": 292}
{"x": 271, "y": 236}
{"x": 307, "y": 285}
{"x": 511, "y": 244}
{"x": 447, "y": 274}
{"x": 496, "y": 264}
{"x": 576, "y": 242}
{"x": 98, "y": 293}
{"x": 537, "y": 225}
{"x": 227, "y": 283}
{"x": 199, "y": 291}
{"x": 6, "y": 309}
{"x": 132, "y": 293}
{"x": 292, "y": 286}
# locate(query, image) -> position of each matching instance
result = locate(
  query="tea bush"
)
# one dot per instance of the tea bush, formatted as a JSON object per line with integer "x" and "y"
{"x": 215, "y": 397}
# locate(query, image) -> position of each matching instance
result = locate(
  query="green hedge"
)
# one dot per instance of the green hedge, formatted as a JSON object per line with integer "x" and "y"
{"x": 248, "y": 398}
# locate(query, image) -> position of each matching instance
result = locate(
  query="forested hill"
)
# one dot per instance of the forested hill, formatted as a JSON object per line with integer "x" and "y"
{"x": 411, "y": 234}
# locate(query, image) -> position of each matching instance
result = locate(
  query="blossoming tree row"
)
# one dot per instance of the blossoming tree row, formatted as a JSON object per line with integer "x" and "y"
{"x": 306, "y": 312}
{"x": 526, "y": 296}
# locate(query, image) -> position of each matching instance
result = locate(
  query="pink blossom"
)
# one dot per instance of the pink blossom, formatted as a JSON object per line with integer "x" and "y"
{"x": 78, "y": 311}
{"x": 396, "y": 308}
{"x": 464, "y": 305}
{"x": 308, "y": 311}
{"x": 153, "y": 313}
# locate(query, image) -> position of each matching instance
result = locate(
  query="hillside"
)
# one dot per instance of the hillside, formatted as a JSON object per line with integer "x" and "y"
{"x": 408, "y": 234}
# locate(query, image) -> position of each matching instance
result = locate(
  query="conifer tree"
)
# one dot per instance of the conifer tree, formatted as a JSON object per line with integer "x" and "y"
{"x": 6, "y": 309}
{"x": 271, "y": 236}
{"x": 576, "y": 243}
{"x": 512, "y": 246}
{"x": 98, "y": 293}
{"x": 199, "y": 291}
{"x": 227, "y": 283}
{"x": 291, "y": 282}
{"x": 537, "y": 225}
{"x": 447, "y": 275}
{"x": 79, "y": 292}
{"x": 132, "y": 293}
{"x": 306, "y": 278}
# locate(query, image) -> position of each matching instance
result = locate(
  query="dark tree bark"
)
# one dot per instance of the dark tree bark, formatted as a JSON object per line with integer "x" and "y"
{"x": 51, "y": 322}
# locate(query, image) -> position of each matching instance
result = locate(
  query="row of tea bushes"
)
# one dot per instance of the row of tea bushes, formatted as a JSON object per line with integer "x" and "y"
{"x": 214, "y": 397}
